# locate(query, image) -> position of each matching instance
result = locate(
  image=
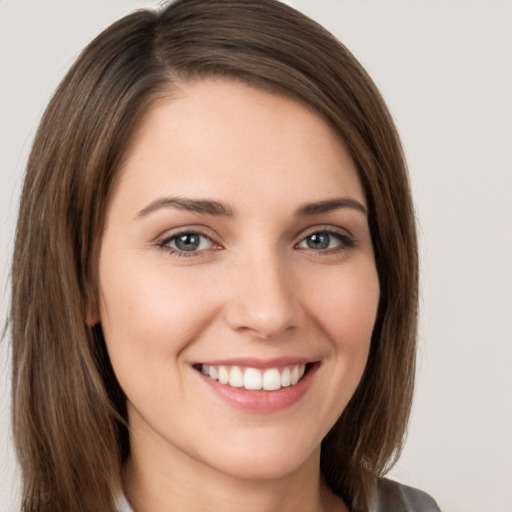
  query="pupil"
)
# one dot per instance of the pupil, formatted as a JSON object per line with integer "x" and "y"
{"x": 318, "y": 241}
{"x": 187, "y": 242}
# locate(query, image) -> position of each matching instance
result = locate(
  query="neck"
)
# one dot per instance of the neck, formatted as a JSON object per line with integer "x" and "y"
{"x": 195, "y": 487}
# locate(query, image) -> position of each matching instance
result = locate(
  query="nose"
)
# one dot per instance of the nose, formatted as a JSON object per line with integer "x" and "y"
{"x": 264, "y": 302}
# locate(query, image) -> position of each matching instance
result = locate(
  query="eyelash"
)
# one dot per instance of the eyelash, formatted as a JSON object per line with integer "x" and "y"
{"x": 345, "y": 242}
{"x": 164, "y": 244}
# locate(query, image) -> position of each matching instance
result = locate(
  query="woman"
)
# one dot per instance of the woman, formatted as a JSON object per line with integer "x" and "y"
{"x": 215, "y": 274}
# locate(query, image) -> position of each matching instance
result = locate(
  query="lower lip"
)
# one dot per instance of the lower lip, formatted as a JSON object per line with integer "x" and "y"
{"x": 262, "y": 401}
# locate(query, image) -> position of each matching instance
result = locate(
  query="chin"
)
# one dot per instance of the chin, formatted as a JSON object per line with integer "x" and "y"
{"x": 267, "y": 460}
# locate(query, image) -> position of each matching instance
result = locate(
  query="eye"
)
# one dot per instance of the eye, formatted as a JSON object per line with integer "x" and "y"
{"x": 186, "y": 242}
{"x": 325, "y": 241}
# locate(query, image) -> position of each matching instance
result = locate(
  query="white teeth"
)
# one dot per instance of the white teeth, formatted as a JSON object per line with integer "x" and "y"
{"x": 236, "y": 379}
{"x": 223, "y": 375}
{"x": 214, "y": 374}
{"x": 252, "y": 379}
{"x": 294, "y": 375}
{"x": 286, "y": 378}
{"x": 271, "y": 380}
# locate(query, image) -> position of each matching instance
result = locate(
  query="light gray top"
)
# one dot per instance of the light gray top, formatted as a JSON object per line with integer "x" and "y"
{"x": 122, "y": 504}
{"x": 391, "y": 497}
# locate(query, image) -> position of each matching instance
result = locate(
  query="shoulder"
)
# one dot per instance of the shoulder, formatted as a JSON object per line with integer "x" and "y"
{"x": 394, "y": 497}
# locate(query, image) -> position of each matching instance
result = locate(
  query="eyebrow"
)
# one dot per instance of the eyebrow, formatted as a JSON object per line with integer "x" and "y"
{"x": 205, "y": 206}
{"x": 330, "y": 205}
{"x": 216, "y": 208}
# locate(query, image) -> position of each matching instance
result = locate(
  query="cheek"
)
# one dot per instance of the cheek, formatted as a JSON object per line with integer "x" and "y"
{"x": 151, "y": 314}
{"x": 346, "y": 306}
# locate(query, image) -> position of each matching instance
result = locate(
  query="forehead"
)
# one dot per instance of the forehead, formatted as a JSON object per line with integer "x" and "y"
{"x": 212, "y": 135}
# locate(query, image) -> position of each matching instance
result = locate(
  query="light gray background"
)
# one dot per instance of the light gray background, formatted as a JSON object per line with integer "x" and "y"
{"x": 445, "y": 69}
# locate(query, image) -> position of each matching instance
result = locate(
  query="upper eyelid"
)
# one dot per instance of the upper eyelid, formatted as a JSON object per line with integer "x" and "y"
{"x": 327, "y": 228}
{"x": 193, "y": 229}
{"x": 173, "y": 236}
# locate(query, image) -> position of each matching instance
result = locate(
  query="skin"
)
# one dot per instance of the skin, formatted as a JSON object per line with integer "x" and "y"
{"x": 253, "y": 288}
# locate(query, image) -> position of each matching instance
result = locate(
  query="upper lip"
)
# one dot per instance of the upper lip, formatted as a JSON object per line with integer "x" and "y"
{"x": 262, "y": 364}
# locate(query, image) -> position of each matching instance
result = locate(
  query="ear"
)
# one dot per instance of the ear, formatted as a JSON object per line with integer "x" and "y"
{"x": 92, "y": 312}
{"x": 92, "y": 318}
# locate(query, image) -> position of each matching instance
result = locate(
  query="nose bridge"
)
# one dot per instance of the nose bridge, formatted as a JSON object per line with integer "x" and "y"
{"x": 264, "y": 302}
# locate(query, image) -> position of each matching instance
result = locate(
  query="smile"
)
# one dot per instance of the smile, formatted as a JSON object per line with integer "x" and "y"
{"x": 253, "y": 379}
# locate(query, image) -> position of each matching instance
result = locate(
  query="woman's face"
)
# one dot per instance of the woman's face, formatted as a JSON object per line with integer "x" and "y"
{"x": 238, "y": 286}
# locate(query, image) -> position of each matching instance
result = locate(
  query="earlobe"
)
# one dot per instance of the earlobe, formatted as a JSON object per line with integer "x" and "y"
{"x": 92, "y": 319}
{"x": 92, "y": 315}
{"x": 91, "y": 308}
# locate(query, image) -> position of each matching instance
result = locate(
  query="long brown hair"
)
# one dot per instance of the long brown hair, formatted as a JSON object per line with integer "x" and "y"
{"x": 69, "y": 414}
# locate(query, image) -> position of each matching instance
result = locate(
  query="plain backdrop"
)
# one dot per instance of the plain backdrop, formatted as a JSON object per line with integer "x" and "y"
{"x": 445, "y": 69}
